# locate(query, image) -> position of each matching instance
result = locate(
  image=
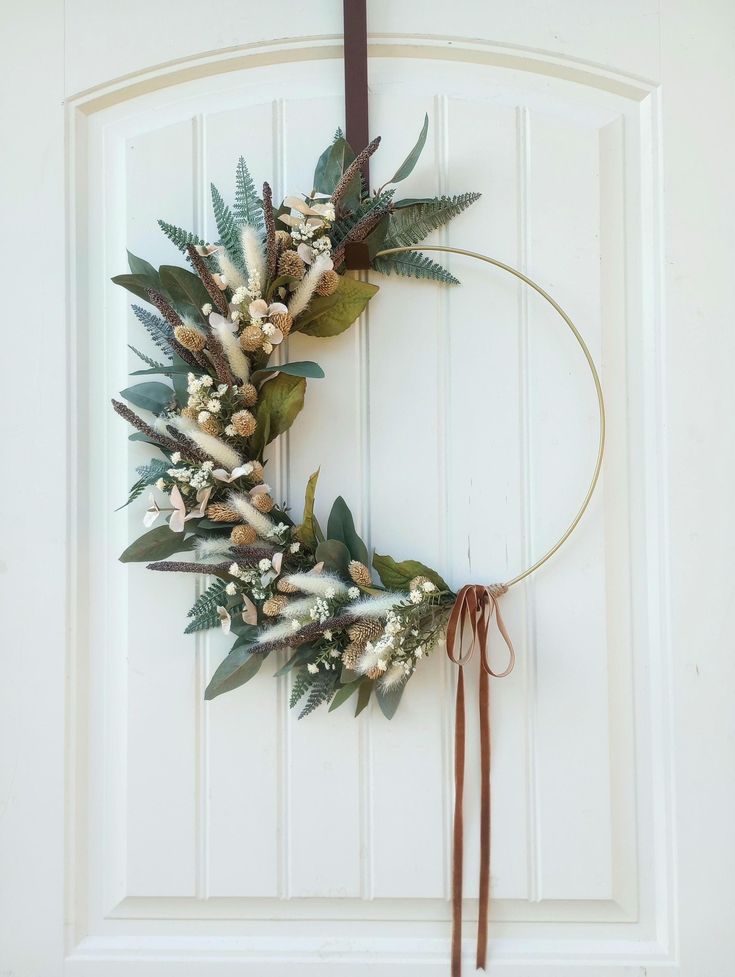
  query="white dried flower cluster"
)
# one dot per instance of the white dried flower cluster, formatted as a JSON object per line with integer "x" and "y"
{"x": 322, "y": 245}
{"x": 353, "y": 593}
{"x": 279, "y": 533}
{"x": 320, "y": 610}
{"x": 199, "y": 477}
{"x": 416, "y": 595}
{"x": 231, "y": 589}
{"x": 203, "y": 397}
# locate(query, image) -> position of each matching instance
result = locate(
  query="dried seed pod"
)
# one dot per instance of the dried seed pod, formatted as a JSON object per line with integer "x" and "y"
{"x": 282, "y": 321}
{"x": 211, "y": 426}
{"x": 262, "y": 502}
{"x": 363, "y": 631}
{"x": 286, "y": 588}
{"x": 328, "y": 283}
{"x": 220, "y": 512}
{"x": 351, "y": 656}
{"x": 243, "y": 536}
{"x": 249, "y": 394}
{"x": 374, "y": 672}
{"x": 289, "y": 263}
{"x": 283, "y": 240}
{"x": 359, "y": 573}
{"x": 274, "y": 605}
{"x": 258, "y": 472}
{"x": 190, "y": 338}
{"x": 252, "y": 338}
{"x": 244, "y": 423}
{"x": 191, "y": 412}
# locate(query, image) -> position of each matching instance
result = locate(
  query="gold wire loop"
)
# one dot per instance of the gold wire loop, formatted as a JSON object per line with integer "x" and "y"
{"x": 590, "y": 363}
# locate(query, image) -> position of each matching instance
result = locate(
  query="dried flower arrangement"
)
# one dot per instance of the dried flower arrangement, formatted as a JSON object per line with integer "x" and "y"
{"x": 277, "y": 585}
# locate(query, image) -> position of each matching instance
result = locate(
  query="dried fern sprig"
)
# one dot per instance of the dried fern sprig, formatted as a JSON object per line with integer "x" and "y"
{"x": 271, "y": 248}
{"x": 132, "y": 418}
{"x": 208, "y": 281}
{"x": 349, "y": 174}
{"x": 360, "y": 231}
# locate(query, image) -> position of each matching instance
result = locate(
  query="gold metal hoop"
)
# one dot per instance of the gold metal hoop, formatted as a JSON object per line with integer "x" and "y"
{"x": 590, "y": 363}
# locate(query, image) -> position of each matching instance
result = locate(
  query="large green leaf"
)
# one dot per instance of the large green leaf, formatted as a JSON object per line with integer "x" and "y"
{"x": 331, "y": 165}
{"x": 157, "y": 544}
{"x": 299, "y": 368}
{"x": 308, "y": 532}
{"x": 363, "y": 696}
{"x": 185, "y": 288}
{"x": 410, "y": 161}
{"x": 341, "y": 526}
{"x": 333, "y": 554}
{"x": 279, "y": 402}
{"x": 237, "y": 669}
{"x": 138, "y": 284}
{"x": 139, "y": 266}
{"x": 388, "y": 699}
{"x": 151, "y": 395}
{"x": 329, "y": 315}
{"x": 396, "y": 576}
{"x": 343, "y": 694}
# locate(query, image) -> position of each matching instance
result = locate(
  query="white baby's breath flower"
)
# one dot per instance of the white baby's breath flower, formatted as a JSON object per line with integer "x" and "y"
{"x": 428, "y": 587}
{"x": 231, "y": 589}
{"x": 207, "y": 309}
{"x": 312, "y": 668}
{"x": 176, "y": 457}
{"x": 295, "y": 547}
{"x": 353, "y": 593}
{"x": 234, "y": 570}
{"x": 295, "y": 625}
{"x": 328, "y": 635}
{"x": 160, "y": 484}
{"x": 265, "y": 565}
{"x": 330, "y": 593}
{"x": 203, "y": 416}
{"x": 206, "y": 380}
{"x": 416, "y": 596}
{"x": 230, "y": 431}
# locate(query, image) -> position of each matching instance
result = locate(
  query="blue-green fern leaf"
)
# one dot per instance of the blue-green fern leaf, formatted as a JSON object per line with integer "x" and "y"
{"x": 248, "y": 207}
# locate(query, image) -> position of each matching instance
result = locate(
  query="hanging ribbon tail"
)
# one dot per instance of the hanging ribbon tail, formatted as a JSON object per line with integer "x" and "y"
{"x": 471, "y": 614}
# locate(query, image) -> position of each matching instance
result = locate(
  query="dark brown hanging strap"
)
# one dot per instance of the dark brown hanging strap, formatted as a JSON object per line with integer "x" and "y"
{"x": 473, "y": 610}
{"x": 356, "y": 78}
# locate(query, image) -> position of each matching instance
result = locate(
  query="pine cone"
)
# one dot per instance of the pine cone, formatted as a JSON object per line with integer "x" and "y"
{"x": 190, "y": 338}
{"x": 291, "y": 264}
{"x": 243, "y": 536}
{"x": 360, "y": 573}
{"x": 251, "y": 338}
{"x": 351, "y": 656}
{"x": 282, "y": 321}
{"x": 257, "y": 473}
{"x": 283, "y": 241}
{"x": 191, "y": 412}
{"x": 219, "y": 512}
{"x": 250, "y": 394}
{"x": 211, "y": 426}
{"x": 328, "y": 283}
{"x": 286, "y": 588}
{"x": 374, "y": 672}
{"x": 274, "y": 605}
{"x": 363, "y": 631}
{"x": 418, "y": 582}
{"x": 262, "y": 502}
{"x": 244, "y": 423}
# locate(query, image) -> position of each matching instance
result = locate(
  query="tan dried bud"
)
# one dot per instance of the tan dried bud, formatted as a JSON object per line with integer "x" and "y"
{"x": 351, "y": 656}
{"x": 243, "y": 536}
{"x": 191, "y": 412}
{"x": 244, "y": 423}
{"x": 418, "y": 582}
{"x": 363, "y": 631}
{"x": 328, "y": 283}
{"x": 359, "y": 573}
{"x": 283, "y": 240}
{"x": 275, "y": 605}
{"x": 258, "y": 472}
{"x": 249, "y": 394}
{"x": 282, "y": 321}
{"x": 262, "y": 502}
{"x": 374, "y": 672}
{"x": 289, "y": 263}
{"x": 190, "y": 338}
{"x": 220, "y": 512}
{"x": 211, "y": 426}
{"x": 252, "y": 338}
{"x": 286, "y": 588}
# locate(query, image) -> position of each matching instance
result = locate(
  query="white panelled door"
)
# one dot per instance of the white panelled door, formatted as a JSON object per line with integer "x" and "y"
{"x": 146, "y": 833}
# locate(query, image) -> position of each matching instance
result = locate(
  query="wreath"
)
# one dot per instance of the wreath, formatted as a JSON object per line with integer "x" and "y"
{"x": 277, "y": 584}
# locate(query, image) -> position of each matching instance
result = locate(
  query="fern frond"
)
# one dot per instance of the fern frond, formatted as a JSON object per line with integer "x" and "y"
{"x": 179, "y": 237}
{"x": 153, "y": 364}
{"x": 226, "y": 226}
{"x": 409, "y": 225}
{"x": 248, "y": 207}
{"x": 301, "y": 683}
{"x": 411, "y": 264}
{"x": 321, "y": 691}
{"x": 204, "y": 610}
{"x": 148, "y": 475}
{"x": 342, "y": 227}
{"x": 158, "y": 329}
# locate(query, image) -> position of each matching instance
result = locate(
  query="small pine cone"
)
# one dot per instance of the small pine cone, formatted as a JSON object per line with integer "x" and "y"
{"x": 286, "y": 588}
{"x": 282, "y": 321}
{"x": 191, "y": 412}
{"x": 243, "y": 536}
{"x": 363, "y": 631}
{"x": 327, "y": 284}
{"x": 190, "y": 338}
{"x": 360, "y": 573}
{"x": 250, "y": 394}
{"x": 418, "y": 582}
{"x": 274, "y": 605}
{"x": 283, "y": 240}
{"x": 351, "y": 656}
{"x": 244, "y": 423}
{"x": 220, "y": 512}
{"x": 262, "y": 502}
{"x": 291, "y": 264}
{"x": 211, "y": 426}
{"x": 258, "y": 472}
{"x": 374, "y": 672}
{"x": 251, "y": 338}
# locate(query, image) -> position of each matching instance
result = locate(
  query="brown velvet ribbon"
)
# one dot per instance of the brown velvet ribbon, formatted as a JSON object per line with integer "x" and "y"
{"x": 471, "y": 615}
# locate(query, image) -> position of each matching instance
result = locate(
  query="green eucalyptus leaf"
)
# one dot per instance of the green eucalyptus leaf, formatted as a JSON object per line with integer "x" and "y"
{"x": 396, "y": 576}
{"x": 334, "y": 554}
{"x": 329, "y": 315}
{"x": 279, "y": 403}
{"x": 139, "y": 266}
{"x": 306, "y": 532}
{"x": 237, "y": 669}
{"x": 410, "y": 161}
{"x": 157, "y": 544}
{"x": 388, "y": 699}
{"x": 363, "y": 695}
{"x": 299, "y": 657}
{"x": 331, "y": 165}
{"x": 137, "y": 284}
{"x": 376, "y": 238}
{"x": 139, "y": 436}
{"x": 341, "y": 526}
{"x": 151, "y": 395}
{"x": 299, "y": 368}
{"x": 343, "y": 693}
{"x": 185, "y": 288}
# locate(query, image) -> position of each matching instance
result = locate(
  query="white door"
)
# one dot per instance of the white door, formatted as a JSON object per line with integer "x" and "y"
{"x": 144, "y": 833}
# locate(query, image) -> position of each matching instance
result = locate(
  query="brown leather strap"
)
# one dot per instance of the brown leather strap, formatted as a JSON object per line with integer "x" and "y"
{"x": 356, "y": 78}
{"x": 473, "y": 609}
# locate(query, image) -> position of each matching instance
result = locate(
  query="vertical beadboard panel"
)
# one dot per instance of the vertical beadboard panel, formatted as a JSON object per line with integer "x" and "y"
{"x": 323, "y": 814}
{"x": 161, "y": 707}
{"x": 573, "y": 760}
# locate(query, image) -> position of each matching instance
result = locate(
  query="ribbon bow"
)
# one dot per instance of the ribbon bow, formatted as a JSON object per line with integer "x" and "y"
{"x": 472, "y": 612}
